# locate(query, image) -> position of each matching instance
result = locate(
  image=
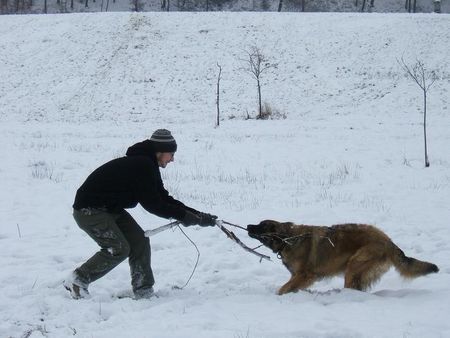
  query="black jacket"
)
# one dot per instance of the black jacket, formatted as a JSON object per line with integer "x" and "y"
{"x": 126, "y": 181}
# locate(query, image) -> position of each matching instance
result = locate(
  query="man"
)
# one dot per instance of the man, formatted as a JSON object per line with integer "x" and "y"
{"x": 99, "y": 210}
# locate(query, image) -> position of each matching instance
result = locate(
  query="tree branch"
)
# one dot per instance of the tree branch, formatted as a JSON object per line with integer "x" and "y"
{"x": 233, "y": 237}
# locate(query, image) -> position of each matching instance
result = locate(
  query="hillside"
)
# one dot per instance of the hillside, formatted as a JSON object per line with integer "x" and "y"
{"x": 78, "y": 89}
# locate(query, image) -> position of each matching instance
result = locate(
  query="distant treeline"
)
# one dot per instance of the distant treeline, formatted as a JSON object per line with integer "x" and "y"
{"x": 67, "y": 6}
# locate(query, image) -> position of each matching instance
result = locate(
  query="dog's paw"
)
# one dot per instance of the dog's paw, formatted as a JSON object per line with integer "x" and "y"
{"x": 283, "y": 290}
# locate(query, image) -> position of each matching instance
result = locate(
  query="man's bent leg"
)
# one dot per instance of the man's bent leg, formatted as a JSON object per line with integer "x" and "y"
{"x": 142, "y": 279}
{"x": 102, "y": 228}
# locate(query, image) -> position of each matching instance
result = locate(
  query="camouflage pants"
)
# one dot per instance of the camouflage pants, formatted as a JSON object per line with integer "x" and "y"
{"x": 119, "y": 237}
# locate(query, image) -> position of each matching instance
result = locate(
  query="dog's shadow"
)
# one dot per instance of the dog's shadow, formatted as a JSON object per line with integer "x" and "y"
{"x": 401, "y": 293}
{"x": 354, "y": 296}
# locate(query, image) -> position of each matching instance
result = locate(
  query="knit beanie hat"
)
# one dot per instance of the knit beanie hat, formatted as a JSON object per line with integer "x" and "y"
{"x": 163, "y": 141}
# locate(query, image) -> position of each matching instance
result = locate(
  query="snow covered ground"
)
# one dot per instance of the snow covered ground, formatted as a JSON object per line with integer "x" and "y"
{"x": 77, "y": 90}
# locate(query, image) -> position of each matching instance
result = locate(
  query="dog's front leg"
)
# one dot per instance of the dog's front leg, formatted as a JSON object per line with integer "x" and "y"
{"x": 297, "y": 282}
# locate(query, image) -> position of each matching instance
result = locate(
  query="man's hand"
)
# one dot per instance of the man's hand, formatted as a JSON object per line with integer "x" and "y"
{"x": 190, "y": 219}
{"x": 200, "y": 218}
{"x": 207, "y": 220}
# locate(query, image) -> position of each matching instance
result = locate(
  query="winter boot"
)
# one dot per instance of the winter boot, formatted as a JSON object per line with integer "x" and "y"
{"x": 77, "y": 288}
{"x": 144, "y": 293}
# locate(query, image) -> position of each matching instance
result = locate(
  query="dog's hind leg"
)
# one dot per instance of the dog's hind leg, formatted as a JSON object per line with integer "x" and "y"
{"x": 366, "y": 266}
{"x": 297, "y": 282}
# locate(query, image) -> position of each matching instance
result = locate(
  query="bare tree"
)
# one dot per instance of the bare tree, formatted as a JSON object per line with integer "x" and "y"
{"x": 3, "y": 6}
{"x": 424, "y": 79}
{"x": 256, "y": 64}
{"x": 280, "y": 5}
{"x": 363, "y": 6}
{"x": 137, "y": 5}
{"x": 218, "y": 94}
{"x": 437, "y": 6}
{"x": 165, "y": 5}
{"x": 411, "y": 6}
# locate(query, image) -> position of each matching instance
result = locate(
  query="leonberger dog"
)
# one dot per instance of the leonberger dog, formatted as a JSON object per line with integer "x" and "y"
{"x": 361, "y": 252}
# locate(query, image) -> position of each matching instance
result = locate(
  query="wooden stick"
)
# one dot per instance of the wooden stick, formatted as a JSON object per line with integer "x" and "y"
{"x": 152, "y": 232}
{"x": 233, "y": 237}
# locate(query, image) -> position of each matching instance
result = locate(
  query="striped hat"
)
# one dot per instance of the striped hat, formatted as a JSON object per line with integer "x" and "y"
{"x": 163, "y": 141}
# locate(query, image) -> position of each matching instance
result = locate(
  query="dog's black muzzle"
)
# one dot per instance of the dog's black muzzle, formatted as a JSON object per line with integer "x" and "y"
{"x": 254, "y": 231}
{"x": 266, "y": 235}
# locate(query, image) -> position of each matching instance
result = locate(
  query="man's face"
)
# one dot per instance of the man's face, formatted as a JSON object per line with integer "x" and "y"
{"x": 164, "y": 159}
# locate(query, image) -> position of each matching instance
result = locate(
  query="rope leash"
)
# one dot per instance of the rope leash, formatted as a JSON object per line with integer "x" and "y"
{"x": 293, "y": 239}
{"x": 149, "y": 233}
{"x": 196, "y": 262}
{"x": 219, "y": 224}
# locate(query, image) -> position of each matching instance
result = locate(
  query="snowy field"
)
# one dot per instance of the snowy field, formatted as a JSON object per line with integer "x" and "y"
{"x": 77, "y": 90}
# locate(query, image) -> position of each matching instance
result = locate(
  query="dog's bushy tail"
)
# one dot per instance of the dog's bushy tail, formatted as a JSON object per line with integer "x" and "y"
{"x": 410, "y": 267}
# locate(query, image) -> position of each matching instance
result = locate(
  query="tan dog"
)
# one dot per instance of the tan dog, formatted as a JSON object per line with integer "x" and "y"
{"x": 362, "y": 252}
